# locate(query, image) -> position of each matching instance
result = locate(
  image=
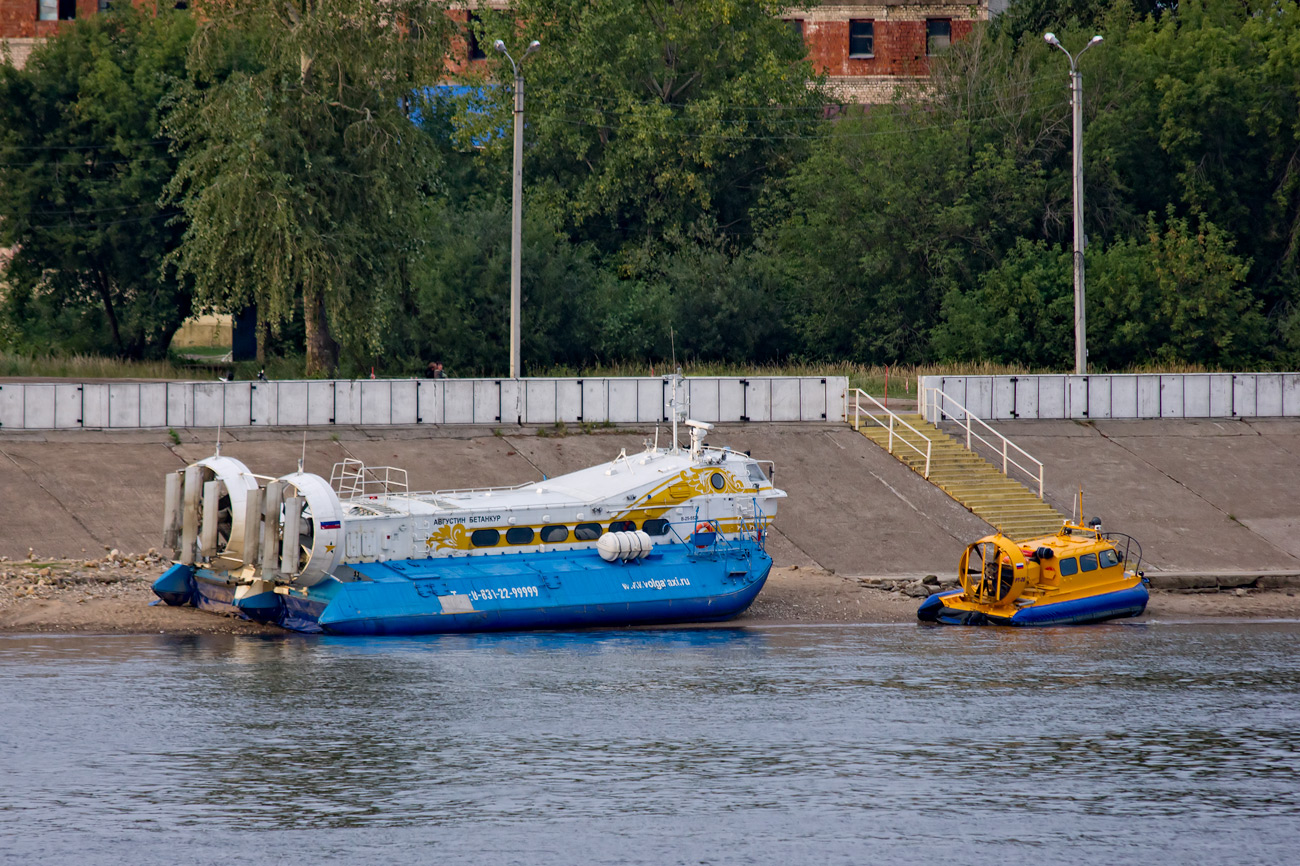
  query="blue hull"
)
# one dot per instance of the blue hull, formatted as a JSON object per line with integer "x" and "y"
{"x": 1097, "y": 608}
{"x": 566, "y": 589}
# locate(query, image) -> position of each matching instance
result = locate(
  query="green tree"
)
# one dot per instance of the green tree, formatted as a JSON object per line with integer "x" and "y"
{"x": 302, "y": 174}
{"x": 459, "y": 292}
{"x": 1030, "y": 19}
{"x": 905, "y": 204}
{"x": 1177, "y": 295}
{"x": 653, "y": 119}
{"x": 1200, "y": 109}
{"x": 1021, "y": 313}
{"x": 82, "y": 165}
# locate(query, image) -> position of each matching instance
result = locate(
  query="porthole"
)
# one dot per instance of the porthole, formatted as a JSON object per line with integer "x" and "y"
{"x": 622, "y": 526}
{"x": 717, "y": 481}
{"x": 519, "y": 535}
{"x": 587, "y": 531}
{"x": 484, "y": 538}
{"x": 555, "y": 534}
{"x": 655, "y": 527}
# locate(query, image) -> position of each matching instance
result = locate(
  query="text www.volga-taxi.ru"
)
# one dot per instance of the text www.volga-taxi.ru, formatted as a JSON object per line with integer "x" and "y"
{"x": 658, "y": 584}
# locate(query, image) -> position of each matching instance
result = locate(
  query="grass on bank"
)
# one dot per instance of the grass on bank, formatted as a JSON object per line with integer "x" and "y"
{"x": 870, "y": 378}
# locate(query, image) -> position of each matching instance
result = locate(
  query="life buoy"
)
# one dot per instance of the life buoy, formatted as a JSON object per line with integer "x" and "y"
{"x": 705, "y": 532}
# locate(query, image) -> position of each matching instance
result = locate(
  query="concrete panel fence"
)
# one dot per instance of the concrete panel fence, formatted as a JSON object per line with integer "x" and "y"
{"x": 389, "y": 402}
{"x": 1099, "y": 397}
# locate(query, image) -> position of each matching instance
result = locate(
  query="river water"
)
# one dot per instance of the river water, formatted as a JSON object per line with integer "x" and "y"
{"x": 1155, "y": 743}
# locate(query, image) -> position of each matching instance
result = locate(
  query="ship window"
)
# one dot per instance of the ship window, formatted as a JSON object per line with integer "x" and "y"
{"x": 587, "y": 531}
{"x": 756, "y": 473}
{"x": 555, "y": 534}
{"x": 484, "y": 538}
{"x": 658, "y": 526}
{"x": 1088, "y": 562}
{"x": 717, "y": 481}
{"x": 1109, "y": 558}
{"x": 1069, "y": 566}
{"x": 622, "y": 526}
{"x": 519, "y": 535}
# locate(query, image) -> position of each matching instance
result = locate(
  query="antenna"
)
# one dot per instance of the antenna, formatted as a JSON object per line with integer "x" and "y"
{"x": 672, "y": 342}
{"x": 218, "y": 439}
{"x": 303, "y": 458}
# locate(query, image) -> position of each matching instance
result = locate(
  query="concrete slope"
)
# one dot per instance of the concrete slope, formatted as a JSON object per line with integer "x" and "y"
{"x": 1198, "y": 495}
{"x": 852, "y": 508}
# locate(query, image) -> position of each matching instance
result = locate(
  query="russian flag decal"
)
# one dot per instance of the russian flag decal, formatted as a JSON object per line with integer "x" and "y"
{"x": 329, "y": 524}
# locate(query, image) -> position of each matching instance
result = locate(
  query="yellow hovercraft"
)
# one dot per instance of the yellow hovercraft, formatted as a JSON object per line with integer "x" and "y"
{"x": 1079, "y": 575}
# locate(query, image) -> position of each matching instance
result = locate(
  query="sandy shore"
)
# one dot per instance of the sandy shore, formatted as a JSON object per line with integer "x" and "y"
{"x": 112, "y": 595}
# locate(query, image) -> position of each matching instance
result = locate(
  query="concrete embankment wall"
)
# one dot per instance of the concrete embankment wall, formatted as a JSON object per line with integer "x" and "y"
{"x": 1203, "y": 497}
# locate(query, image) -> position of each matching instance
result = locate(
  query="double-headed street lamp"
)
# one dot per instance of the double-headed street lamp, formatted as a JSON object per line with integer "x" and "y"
{"x": 517, "y": 218}
{"x": 1076, "y": 104}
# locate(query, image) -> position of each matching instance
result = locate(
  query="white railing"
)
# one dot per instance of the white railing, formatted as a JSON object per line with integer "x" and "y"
{"x": 854, "y": 409}
{"x": 352, "y": 479}
{"x": 938, "y": 405}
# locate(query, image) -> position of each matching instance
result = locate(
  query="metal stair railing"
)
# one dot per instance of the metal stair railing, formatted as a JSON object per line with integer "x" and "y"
{"x": 942, "y": 408}
{"x": 859, "y": 412}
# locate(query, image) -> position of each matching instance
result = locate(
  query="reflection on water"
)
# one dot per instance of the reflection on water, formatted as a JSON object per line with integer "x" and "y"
{"x": 1098, "y": 745}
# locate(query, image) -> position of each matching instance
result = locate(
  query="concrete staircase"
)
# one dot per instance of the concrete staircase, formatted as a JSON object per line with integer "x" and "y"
{"x": 967, "y": 477}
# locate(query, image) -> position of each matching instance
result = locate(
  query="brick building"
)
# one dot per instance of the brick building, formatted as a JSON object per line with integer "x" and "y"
{"x": 23, "y": 23}
{"x": 866, "y": 49}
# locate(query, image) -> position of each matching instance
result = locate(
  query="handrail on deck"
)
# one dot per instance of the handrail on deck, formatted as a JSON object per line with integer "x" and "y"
{"x": 859, "y": 412}
{"x": 928, "y": 401}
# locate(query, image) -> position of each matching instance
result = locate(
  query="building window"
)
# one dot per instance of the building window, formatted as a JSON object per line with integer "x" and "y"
{"x": 103, "y": 5}
{"x": 862, "y": 38}
{"x": 473, "y": 50}
{"x": 938, "y": 35}
{"x": 56, "y": 10}
{"x": 796, "y": 26}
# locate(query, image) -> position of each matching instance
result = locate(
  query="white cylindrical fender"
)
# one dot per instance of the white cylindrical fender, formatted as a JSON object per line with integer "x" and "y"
{"x": 320, "y": 529}
{"x": 624, "y": 545}
{"x": 645, "y": 543}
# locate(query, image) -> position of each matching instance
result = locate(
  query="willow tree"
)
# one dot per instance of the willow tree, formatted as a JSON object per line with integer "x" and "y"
{"x": 301, "y": 172}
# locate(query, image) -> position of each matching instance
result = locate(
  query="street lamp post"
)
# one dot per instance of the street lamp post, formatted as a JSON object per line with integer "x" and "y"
{"x": 517, "y": 216}
{"x": 1076, "y": 105}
